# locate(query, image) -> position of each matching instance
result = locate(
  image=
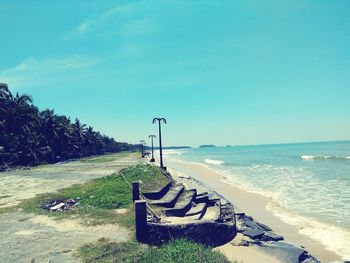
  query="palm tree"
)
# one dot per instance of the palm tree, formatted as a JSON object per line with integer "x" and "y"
{"x": 160, "y": 120}
{"x": 79, "y": 134}
{"x": 152, "y": 137}
{"x": 29, "y": 136}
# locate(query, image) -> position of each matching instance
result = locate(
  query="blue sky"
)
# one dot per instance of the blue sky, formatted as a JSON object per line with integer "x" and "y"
{"x": 221, "y": 72}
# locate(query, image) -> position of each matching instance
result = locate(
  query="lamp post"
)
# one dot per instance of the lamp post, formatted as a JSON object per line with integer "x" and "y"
{"x": 142, "y": 149}
{"x": 152, "y": 137}
{"x": 160, "y": 120}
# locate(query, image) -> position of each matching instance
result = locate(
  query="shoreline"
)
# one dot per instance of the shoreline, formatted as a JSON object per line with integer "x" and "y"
{"x": 253, "y": 204}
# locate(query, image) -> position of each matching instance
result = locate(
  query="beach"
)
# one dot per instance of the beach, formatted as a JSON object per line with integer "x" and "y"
{"x": 253, "y": 204}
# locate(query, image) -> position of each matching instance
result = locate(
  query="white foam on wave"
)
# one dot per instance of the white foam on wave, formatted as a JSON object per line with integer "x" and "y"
{"x": 214, "y": 162}
{"x": 226, "y": 178}
{"x": 314, "y": 157}
{"x": 347, "y": 158}
{"x": 173, "y": 152}
{"x": 334, "y": 238}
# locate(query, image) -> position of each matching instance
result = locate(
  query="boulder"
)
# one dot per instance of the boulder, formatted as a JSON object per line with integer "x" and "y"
{"x": 265, "y": 227}
{"x": 253, "y": 233}
{"x": 284, "y": 252}
{"x": 270, "y": 236}
{"x": 253, "y": 224}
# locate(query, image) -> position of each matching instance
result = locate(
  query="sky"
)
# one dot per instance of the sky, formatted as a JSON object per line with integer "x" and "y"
{"x": 220, "y": 72}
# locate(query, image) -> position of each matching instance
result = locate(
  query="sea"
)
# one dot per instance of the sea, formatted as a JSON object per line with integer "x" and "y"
{"x": 308, "y": 183}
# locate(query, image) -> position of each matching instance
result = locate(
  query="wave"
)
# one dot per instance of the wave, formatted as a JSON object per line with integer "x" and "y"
{"x": 173, "y": 152}
{"x": 214, "y": 162}
{"x": 334, "y": 238}
{"x": 315, "y": 157}
{"x": 322, "y": 157}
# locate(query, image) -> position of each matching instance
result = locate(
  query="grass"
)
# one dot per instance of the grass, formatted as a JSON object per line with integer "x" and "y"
{"x": 100, "y": 197}
{"x": 176, "y": 251}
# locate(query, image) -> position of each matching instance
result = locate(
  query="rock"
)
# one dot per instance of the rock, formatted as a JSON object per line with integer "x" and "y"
{"x": 56, "y": 207}
{"x": 244, "y": 243}
{"x": 240, "y": 214}
{"x": 270, "y": 236}
{"x": 242, "y": 229}
{"x": 248, "y": 218}
{"x": 284, "y": 252}
{"x": 252, "y": 224}
{"x": 253, "y": 233}
{"x": 265, "y": 227}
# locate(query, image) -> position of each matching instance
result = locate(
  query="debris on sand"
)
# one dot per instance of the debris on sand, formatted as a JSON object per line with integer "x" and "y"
{"x": 58, "y": 205}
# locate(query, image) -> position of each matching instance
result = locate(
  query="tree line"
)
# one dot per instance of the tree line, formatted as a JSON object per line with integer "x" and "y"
{"x": 29, "y": 136}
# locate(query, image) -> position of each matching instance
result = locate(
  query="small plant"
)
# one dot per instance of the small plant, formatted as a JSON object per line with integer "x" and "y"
{"x": 182, "y": 251}
{"x": 176, "y": 251}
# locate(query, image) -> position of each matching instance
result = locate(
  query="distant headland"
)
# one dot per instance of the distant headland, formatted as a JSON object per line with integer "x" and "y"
{"x": 207, "y": 146}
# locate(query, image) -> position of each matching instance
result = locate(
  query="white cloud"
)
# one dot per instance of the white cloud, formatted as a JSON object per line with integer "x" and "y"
{"x": 123, "y": 20}
{"x": 36, "y": 72}
{"x": 95, "y": 21}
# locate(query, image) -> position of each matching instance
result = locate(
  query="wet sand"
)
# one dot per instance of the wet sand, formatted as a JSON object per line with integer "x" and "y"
{"x": 252, "y": 204}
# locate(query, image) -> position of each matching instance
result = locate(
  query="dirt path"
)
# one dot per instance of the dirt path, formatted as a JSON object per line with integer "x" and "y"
{"x": 25, "y": 237}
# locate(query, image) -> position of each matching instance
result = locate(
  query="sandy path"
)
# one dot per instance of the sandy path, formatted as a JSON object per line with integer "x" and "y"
{"x": 24, "y": 237}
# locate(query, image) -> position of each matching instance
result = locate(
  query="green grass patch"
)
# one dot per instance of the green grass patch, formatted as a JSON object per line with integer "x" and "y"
{"x": 176, "y": 251}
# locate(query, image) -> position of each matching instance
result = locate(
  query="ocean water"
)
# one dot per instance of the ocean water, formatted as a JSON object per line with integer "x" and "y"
{"x": 309, "y": 183}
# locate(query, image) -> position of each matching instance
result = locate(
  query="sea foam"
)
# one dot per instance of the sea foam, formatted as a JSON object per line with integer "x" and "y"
{"x": 315, "y": 157}
{"x": 334, "y": 238}
{"x": 214, "y": 162}
{"x": 173, "y": 152}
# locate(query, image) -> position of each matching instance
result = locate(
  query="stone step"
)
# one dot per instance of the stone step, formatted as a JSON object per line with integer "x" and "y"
{"x": 170, "y": 198}
{"x": 202, "y": 194}
{"x": 183, "y": 204}
{"x": 201, "y": 198}
{"x": 212, "y": 211}
{"x": 182, "y": 220}
{"x": 196, "y": 209}
{"x": 158, "y": 194}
